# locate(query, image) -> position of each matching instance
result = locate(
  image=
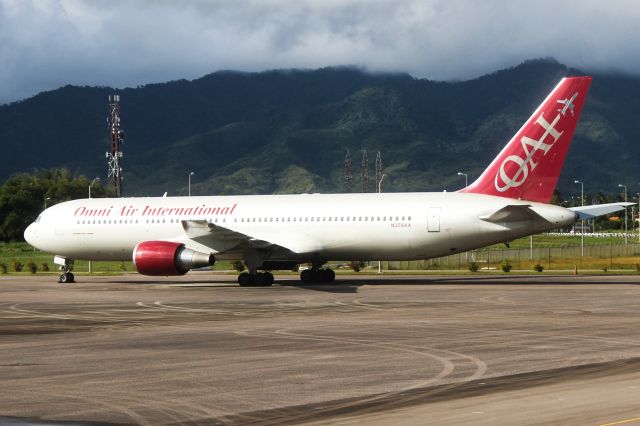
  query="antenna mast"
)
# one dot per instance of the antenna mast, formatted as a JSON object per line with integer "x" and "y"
{"x": 348, "y": 173}
{"x": 117, "y": 137}
{"x": 365, "y": 172}
{"x": 378, "y": 171}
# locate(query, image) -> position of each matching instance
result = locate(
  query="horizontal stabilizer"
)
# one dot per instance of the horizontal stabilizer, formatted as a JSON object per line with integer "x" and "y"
{"x": 588, "y": 212}
{"x": 513, "y": 213}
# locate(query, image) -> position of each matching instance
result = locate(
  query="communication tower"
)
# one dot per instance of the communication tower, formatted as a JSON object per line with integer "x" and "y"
{"x": 114, "y": 157}
{"x": 365, "y": 172}
{"x": 348, "y": 173}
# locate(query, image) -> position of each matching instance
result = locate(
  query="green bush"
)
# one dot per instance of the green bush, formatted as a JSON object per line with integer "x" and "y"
{"x": 506, "y": 266}
{"x": 538, "y": 267}
{"x": 17, "y": 266}
{"x": 473, "y": 267}
{"x": 45, "y": 267}
{"x": 32, "y": 267}
{"x": 357, "y": 266}
{"x": 4, "y": 268}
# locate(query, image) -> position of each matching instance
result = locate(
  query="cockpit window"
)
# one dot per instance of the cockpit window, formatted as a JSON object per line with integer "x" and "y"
{"x": 38, "y": 219}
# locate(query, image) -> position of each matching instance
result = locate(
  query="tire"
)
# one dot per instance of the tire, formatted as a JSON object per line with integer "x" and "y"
{"x": 71, "y": 277}
{"x": 64, "y": 278}
{"x": 244, "y": 279}
{"x": 306, "y": 276}
{"x": 268, "y": 278}
{"x": 329, "y": 275}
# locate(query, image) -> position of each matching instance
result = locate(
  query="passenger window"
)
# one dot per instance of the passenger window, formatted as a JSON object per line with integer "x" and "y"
{"x": 409, "y": 218}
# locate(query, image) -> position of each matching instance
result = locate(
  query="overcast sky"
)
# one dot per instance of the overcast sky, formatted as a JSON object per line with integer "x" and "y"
{"x": 45, "y": 44}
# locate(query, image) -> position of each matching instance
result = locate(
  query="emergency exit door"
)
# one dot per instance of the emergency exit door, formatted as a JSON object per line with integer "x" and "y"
{"x": 433, "y": 219}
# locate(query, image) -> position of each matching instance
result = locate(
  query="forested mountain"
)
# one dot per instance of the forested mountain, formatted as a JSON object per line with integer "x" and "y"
{"x": 288, "y": 131}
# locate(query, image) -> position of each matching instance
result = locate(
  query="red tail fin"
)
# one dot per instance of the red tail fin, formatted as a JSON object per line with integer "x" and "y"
{"x": 529, "y": 166}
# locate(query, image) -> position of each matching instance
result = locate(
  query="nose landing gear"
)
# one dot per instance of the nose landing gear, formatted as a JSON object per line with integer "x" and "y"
{"x": 66, "y": 265}
{"x": 67, "y": 277}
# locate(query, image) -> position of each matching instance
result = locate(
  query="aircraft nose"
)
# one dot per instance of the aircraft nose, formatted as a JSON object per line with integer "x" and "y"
{"x": 31, "y": 234}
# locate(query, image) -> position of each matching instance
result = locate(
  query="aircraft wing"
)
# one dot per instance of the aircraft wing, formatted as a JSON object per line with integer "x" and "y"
{"x": 223, "y": 239}
{"x": 513, "y": 213}
{"x": 588, "y": 212}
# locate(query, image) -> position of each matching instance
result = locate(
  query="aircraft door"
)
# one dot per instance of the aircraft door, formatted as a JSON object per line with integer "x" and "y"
{"x": 433, "y": 219}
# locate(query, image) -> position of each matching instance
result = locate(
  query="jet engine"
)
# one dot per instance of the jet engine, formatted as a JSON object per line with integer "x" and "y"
{"x": 164, "y": 258}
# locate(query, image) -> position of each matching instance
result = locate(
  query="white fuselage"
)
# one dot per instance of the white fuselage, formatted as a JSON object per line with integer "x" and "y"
{"x": 389, "y": 226}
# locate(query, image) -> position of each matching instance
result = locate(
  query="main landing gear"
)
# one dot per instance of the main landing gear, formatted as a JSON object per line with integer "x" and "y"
{"x": 257, "y": 279}
{"x": 317, "y": 275}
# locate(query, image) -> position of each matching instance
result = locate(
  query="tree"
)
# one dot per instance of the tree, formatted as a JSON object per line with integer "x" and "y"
{"x": 23, "y": 195}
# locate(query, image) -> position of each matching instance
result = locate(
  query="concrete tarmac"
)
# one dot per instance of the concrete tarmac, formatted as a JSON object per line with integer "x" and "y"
{"x": 198, "y": 349}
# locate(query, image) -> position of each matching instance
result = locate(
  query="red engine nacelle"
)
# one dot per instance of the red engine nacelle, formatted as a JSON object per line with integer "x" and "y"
{"x": 168, "y": 258}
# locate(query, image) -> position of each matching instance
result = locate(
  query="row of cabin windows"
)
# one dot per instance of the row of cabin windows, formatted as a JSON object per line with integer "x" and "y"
{"x": 326, "y": 219}
{"x": 254, "y": 219}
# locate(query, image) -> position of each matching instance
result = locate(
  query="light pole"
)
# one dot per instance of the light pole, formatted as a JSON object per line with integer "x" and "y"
{"x": 91, "y": 184}
{"x": 380, "y": 183}
{"x": 466, "y": 178}
{"x": 625, "y": 212}
{"x": 582, "y": 221}
{"x": 190, "y": 174}
{"x": 45, "y": 202}
{"x": 380, "y": 192}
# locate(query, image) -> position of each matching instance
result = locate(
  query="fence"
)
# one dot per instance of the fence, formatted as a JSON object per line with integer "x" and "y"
{"x": 605, "y": 257}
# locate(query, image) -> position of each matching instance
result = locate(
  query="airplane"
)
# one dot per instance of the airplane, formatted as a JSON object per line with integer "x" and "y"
{"x": 167, "y": 236}
{"x": 568, "y": 104}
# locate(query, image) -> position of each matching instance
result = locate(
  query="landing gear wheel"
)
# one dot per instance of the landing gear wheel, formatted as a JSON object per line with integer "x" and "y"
{"x": 66, "y": 277}
{"x": 306, "y": 276}
{"x": 244, "y": 279}
{"x": 329, "y": 276}
{"x": 268, "y": 279}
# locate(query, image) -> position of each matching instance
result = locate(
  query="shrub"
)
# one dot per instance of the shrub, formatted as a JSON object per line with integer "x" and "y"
{"x": 505, "y": 266}
{"x": 473, "y": 267}
{"x": 123, "y": 266}
{"x": 32, "y": 267}
{"x": 357, "y": 266}
{"x": 45, "y": 267}
{"x": 238, "y": 265}
{"x": 538, "y": 267}
{"x": 4, "y": 268}
{"x": 17, "y": 266}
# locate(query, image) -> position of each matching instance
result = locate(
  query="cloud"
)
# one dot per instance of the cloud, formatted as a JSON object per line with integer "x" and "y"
{"x": 48, "y": 43}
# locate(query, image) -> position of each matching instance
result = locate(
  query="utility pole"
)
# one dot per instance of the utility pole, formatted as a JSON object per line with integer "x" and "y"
{"x": 582, "y": 221}
{"x": 626, "y": 241}
{"x": 365, "y": 172}
{"x": 114, "y": 157}
{"x": 190, "y": 174}
{"x": 348, "y": 173}
{"x": 466, "y": 178}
